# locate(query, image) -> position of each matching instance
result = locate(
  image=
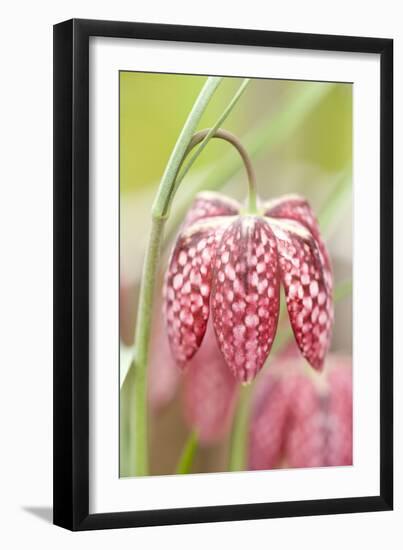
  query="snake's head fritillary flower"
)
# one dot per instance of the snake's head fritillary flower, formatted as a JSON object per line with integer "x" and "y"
{"x": 299, "y": 420}
{"x": 232, "y": 264}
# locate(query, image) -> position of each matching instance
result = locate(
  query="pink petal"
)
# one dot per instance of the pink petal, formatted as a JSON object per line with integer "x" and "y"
{"x": 209, "y": 391}
{"x": 245, "y": 299}
{"x": 294, "y": 207}
{"x": 188, "y": 285}
{"x": 309, "y": 302}
{"x": 208, "y": 204}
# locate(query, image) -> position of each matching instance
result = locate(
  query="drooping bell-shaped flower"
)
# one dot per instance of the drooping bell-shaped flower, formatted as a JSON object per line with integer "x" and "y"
{"x": 299, "y": 420}
{"x": 233, "y": 263}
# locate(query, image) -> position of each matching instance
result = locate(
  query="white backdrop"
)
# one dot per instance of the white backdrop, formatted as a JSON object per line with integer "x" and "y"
{"x": 26, "y": 280}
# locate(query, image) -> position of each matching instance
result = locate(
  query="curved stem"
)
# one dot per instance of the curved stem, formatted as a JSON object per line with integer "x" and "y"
{"x": 225, "y": 135}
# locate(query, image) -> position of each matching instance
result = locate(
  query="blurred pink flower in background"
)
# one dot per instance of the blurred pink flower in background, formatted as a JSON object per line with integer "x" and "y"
{"x": 163, "y": 375}
{"x": 301, "y": 419}
{"x": 209, "y": 392}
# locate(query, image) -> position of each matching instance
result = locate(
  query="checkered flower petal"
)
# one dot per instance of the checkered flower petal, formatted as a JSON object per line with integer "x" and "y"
{"x": 245, "y": 298}
{"x": 188, "y": 285}
{"x": 308, "y": 302}
{"x": 294, "y": 207}
{"x": 234, "y": 264}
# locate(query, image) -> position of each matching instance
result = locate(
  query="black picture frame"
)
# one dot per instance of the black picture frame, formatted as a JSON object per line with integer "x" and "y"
{"x": 71, "y": 274}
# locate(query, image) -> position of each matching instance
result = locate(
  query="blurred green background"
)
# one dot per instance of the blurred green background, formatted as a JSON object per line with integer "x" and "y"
{"x": 300, "y": 137}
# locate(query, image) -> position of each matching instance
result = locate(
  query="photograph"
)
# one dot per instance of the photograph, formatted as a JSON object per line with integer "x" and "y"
{"x": 235, "y": 274}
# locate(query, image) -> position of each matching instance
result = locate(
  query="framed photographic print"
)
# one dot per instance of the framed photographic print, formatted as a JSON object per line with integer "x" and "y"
{"x": 223, "y": 288}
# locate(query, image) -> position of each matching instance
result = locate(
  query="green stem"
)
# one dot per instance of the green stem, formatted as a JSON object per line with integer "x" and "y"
{"x": 160, "y": 212}
{"x": 143, "y": 326}
{"x": 188, "y": 454}
{"x": 252, "y": 200}
{"x": 237, "y": 461}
